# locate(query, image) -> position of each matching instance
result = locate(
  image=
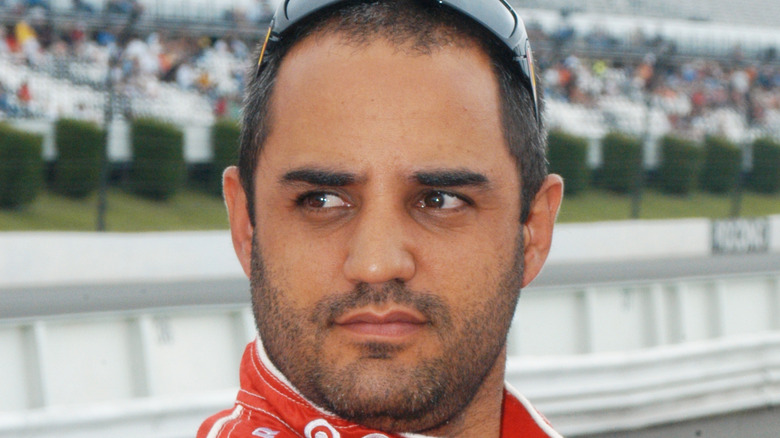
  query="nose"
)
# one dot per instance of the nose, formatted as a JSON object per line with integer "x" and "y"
{"x": 380, "y": 248}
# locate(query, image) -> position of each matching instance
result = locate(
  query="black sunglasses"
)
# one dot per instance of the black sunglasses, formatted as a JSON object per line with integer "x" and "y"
{"x": 494, "y": 15}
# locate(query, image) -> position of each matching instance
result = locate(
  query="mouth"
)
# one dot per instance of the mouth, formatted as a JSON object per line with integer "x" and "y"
{"x": 386, "y": 325}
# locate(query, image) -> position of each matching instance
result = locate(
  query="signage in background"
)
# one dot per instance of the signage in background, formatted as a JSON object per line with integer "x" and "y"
{"x": 740, "y": 236}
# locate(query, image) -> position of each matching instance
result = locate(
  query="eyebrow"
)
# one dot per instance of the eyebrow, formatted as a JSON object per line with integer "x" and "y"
{"x": 450, "y": 178}
{"x": 432, "y": 178}
{"x": 319, "y": 177}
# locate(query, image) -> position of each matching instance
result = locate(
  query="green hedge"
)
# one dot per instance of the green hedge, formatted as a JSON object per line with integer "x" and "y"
{"x": 567, "y": 154}
{"x": 680, "y": 164}
{"x": 224, "y": 142}
{"x": 21, "y": 166}
{"x": 722, "y": 164}
{"x": 80, "y": 148}
{"x": 158, "y": 170}
{"x": 621, "y": 162}
{"x": 765, "y": 177}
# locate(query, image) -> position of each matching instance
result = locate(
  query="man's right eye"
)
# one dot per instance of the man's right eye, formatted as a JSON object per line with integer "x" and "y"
{"x": 320, "y": 200}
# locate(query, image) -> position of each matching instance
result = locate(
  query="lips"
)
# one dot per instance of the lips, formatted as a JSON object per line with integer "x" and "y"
{"x": 396, "y": 323}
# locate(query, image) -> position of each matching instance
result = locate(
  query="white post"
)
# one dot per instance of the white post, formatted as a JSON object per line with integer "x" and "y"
{"x": 589, "y": 314}
{"x": 141, "y": 333}
{"x": 36, "y": 346}
{"x": 657, "y": 327}
{"x": 717, "y": 325}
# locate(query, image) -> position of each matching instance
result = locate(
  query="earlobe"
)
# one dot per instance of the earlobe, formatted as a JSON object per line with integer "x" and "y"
{"x": 538, "y": 229}
{"x": 241, "y": 229}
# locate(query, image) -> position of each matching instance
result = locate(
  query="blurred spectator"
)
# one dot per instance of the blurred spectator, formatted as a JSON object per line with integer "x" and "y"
{"x": 185, "y": 76}
{"x": 23, "y": 93}
{"x": 7, "y": 105}
{"x": 5, "y": 48}
{"x": 27, "y": 40}
{"x": 24, "y": 97}
{"x": 221, "y": 107}
{"x": 125, "y": 7}
{"x": 23, "y": 32}
{"x": 105, "y": 38}
{"x": 82, "y": 6}
{"x": 30, "y": 4}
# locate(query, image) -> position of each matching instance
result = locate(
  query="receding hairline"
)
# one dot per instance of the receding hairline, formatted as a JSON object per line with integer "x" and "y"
{"x": 411, "y": 40}
{"x": 406, "y": 42}
{"x": 412, "y": 27}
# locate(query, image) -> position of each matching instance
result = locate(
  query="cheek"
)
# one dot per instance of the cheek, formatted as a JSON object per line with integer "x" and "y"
{"x": 468, "y": 268}
{"x": 303, "y": 267}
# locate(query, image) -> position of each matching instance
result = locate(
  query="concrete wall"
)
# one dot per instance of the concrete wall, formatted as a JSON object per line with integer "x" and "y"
{"x": 35, "y": 259}
{"x": 611, "y": 394}
{"x": 601, "y": 241}
{"x": 38, "y": 259}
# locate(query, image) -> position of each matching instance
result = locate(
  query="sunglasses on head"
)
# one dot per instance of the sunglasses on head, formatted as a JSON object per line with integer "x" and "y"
{"x": 494, "y": 15}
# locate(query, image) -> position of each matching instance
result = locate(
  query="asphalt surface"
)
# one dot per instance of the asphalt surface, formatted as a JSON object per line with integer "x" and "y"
{"x": 758, "y": 423}
{"x": 46, "y": 301}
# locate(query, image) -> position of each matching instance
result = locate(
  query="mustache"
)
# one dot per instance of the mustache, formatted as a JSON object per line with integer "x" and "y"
{"x": 432, "y": 307}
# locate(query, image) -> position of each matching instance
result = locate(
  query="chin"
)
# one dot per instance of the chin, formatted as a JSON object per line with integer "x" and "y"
{"x": 391, "y": 395}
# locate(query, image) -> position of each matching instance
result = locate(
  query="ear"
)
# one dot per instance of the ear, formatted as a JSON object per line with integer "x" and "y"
{"x": 538, "y": 229}
{"x": 241, "y": 229}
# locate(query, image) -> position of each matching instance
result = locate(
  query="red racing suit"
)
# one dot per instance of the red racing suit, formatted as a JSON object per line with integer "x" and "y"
{"x": 267, "y": 406}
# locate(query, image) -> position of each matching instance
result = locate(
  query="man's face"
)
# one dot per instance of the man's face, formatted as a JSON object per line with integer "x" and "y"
{"x": 386, "y": 257}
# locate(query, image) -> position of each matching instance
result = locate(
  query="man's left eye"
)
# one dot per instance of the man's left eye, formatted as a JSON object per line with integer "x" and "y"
{"x": 321, "y": 200}
{"x": 441, "y": 200}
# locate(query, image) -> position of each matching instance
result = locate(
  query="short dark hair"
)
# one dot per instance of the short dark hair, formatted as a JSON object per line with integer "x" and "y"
{"x": 424, "y": 26}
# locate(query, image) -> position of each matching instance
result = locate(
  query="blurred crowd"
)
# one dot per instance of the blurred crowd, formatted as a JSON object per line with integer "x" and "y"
{"x": 139, "y": 64}
{"x": 686, "y": 89}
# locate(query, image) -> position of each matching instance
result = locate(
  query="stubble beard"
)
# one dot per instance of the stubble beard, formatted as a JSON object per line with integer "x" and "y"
{"x": 373, "y": 391}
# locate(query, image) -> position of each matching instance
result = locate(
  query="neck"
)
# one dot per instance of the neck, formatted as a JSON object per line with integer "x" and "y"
{"x": 482, "y": 416}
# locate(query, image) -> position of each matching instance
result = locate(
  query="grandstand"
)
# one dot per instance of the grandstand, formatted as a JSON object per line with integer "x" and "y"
{"x": 751, "y": 12}
{"x": 648, "y": 68}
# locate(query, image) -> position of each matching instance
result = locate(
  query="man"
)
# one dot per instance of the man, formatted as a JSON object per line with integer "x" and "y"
{"x": 391, "y": 199}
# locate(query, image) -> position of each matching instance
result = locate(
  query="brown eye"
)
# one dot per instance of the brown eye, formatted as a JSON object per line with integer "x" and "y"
{"x": 319, "y": 200}
{"x": 441, "y": 200}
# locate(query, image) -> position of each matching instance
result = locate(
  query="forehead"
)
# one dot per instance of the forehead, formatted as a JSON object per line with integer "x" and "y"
{"x": 377, "y": 106}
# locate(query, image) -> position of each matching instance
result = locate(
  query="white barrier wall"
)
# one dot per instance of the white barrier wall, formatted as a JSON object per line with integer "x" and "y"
{"x": 36, "y": 259}
{"x": 620, "y": 240}
{"x": 32, "y": 259}
{"x": 595, "y": 394}
{"x": 774, "y": 233}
